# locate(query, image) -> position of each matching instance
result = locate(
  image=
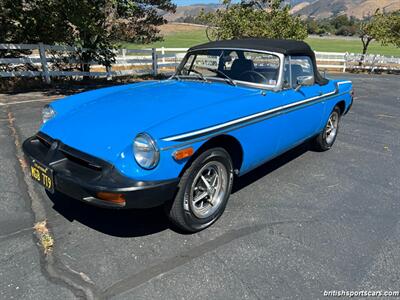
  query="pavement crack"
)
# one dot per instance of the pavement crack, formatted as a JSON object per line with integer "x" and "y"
{"x": 52, "y": 268}
{"x": 46, "y": 239}
{"x": 81, "y": 274}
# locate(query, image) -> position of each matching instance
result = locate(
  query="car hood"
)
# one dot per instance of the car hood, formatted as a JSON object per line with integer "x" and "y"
{"x": 104, "y": 122}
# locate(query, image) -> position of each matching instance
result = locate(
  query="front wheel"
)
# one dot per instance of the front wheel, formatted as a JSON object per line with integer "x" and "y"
{"x": 325, "y": 140}
{"x": 203, "y": 192}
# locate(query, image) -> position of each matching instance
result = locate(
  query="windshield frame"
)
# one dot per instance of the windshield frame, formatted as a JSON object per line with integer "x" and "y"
{"x": 276, "y": 87}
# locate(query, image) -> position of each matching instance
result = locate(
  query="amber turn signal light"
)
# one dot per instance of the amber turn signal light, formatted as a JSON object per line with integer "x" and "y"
{"x": 183, "y": 153}
{"x": 112, "y": 197}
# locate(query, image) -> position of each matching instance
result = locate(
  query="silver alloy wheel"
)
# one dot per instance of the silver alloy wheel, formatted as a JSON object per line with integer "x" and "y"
{"x": 208, "y": 189}
{"x": 332, "y": 127}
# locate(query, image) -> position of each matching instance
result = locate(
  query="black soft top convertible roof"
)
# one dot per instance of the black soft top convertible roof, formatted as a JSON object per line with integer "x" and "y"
{"x": 287, "y": 47}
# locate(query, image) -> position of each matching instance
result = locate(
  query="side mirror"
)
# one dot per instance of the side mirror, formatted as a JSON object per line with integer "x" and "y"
{"x": 304, "y": 81}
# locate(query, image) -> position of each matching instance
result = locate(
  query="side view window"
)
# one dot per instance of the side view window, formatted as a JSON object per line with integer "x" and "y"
{"x": 266, "y": 67}
{"x": 300, "y": 67}
{"x": 250, "y": 66}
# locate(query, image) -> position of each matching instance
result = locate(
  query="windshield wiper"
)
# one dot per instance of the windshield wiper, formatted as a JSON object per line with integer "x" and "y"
{"x": 230, "y": 80}
{"x": 197, "y": 73}
{"x": 176, "y": 76}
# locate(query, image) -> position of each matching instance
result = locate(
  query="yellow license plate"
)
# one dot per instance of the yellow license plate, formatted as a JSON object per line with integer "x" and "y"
{"x": 43, "y": 175}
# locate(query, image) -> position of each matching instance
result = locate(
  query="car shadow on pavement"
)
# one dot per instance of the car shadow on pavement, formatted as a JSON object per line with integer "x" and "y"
{"x": 120, "y": 223}
{"x": 140, "y": 222}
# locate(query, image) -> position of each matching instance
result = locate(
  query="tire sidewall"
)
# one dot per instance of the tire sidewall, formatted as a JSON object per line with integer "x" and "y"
{"x": 217, "y": 154}
{"x": 325, "y": 143}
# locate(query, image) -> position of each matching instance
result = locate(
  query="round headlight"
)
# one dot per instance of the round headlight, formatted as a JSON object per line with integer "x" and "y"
{"x": 47, "y": 113}
{"x": 146, "y": 151}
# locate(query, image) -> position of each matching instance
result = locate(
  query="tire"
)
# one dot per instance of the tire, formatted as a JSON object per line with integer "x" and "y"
{"x": 192, "y": 210}
{"x": 327, "y": 137}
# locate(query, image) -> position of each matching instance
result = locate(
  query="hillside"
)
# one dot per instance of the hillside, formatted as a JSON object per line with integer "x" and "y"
{"x": 191, "y": 10}
{"x": 313, "y": 8}
{"x": 357, "y": 8}
{"x": 296, "y": 8}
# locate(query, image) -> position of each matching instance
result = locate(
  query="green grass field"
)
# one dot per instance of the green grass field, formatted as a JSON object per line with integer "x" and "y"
{"x": 351, "y": 46}
{"x": 183, "y": 39}
{"x": 186, "y": 39}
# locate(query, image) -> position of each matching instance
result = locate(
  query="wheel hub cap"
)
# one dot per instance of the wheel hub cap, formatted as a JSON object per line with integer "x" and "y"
{"x": 331, "y": 127}
{"x": 208, "y": 189}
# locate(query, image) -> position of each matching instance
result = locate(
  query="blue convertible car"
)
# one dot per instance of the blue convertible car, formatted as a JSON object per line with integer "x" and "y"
{"x": 230, "y": 107}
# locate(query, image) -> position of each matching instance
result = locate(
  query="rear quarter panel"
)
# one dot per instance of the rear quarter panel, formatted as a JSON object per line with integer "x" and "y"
{"x": 344, "y": 90}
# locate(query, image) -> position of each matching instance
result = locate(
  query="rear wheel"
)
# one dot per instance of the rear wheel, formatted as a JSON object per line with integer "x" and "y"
{"x": 325, "y": 140}
{"x": 203, "y": 192}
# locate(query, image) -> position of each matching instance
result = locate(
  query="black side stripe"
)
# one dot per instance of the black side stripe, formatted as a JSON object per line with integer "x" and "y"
{"x": 234, "y": 124}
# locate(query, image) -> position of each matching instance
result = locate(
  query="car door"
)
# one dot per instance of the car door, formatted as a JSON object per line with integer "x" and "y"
{"x": 260, "y": 136}
{"x": 302, "y": 115}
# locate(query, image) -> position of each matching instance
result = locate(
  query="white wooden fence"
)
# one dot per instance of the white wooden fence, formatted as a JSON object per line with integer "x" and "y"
{"x": 151, "y": 61}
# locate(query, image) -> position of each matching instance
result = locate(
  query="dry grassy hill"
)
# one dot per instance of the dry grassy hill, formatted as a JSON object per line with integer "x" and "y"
{"x": 191, "y": 10}
{"x": 356, "y": 8}
{"x": 296, "y": 8}
{"x": 313, "y": 8}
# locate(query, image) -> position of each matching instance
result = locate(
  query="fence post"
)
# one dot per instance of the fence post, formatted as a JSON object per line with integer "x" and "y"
{"x": 43, "y": 61}
{"x": 154, "y": 60}
{"x": 123, "y": 53}
{"x": 345, "y": 62}
{"x": 373, "y": 64}
{"x": 109, "y": 74}
{"x": 163, "y": 53}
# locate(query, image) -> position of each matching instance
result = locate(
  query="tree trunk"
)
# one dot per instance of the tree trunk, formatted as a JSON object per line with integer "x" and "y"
{"x": 365, "y": 41}
{"x": 85, "y": 65}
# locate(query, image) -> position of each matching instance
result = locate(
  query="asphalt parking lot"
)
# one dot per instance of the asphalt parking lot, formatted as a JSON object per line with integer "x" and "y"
{"x": 301, "y": 224}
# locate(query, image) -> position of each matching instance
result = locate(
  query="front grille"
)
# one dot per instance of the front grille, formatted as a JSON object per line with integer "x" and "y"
{"x": 71, "y": 154}
{"x": 80, "y": 161}
{"x": 44, "y": 141}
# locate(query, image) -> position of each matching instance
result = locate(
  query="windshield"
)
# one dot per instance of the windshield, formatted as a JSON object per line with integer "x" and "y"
{"x": 232, "y": 66}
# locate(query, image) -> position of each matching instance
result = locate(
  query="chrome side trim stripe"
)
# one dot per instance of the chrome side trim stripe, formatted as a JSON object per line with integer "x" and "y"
{"x": 203, "y": 137}
{"x": 344, "y": 82}
{"x": 260, "y": 115}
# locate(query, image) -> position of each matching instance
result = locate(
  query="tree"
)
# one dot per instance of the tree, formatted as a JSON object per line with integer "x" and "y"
{"x": 30, "y": 22}
{"x": 96, "y": 25}
{"x": 344, "y": 25}
{"x": 264, "y": 18}
{"x": 340, "y": 21}
{"x": 388, "y": 29}
{"x": 384, "y": 28}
